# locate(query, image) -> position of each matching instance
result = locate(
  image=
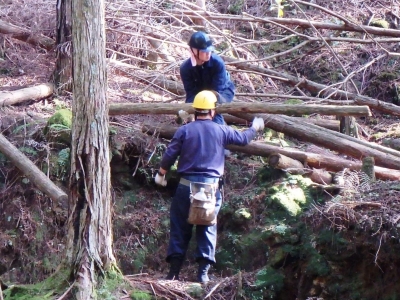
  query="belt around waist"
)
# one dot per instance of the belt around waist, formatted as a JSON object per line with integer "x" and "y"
{"x": 187, "y": 182}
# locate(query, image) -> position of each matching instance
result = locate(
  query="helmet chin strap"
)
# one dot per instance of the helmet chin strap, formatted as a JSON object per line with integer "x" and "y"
{"x": 197, "y": 56}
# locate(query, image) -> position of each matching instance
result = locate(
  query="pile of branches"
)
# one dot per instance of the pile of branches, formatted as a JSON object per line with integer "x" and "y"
{"x": 217, "y": 289}
{"x": 372, "y": 206}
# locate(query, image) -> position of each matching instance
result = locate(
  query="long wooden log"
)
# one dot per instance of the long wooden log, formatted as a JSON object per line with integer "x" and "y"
{"x": 292, "y": 110}
{"x": 31, "y": 171}
{"x": 320, "y": 136}
{"x": 26, "y": 36}
{"x": 334, "y": 135}
{"x": 31, "y": 93}
{"x": 326, "y": 123}
{"x": 318, "y": 88}
{"x": 283, "y": 162}
{"x": 293, "y": 166}
{"x": 314, "y": 160}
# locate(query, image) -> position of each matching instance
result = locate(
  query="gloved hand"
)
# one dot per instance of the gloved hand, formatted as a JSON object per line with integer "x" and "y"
{"x": 160, "y": 179}
{"x": 258, "y": 124}
{"x": 184, "y": 115}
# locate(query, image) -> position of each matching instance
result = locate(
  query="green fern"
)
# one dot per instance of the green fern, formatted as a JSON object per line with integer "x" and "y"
{"x": 64, "y": 157}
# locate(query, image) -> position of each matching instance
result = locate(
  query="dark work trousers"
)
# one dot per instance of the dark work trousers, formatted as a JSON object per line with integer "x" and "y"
{"x": 181, "y": 230}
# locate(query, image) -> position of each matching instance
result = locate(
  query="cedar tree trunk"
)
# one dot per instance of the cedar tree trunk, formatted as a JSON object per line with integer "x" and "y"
{"x": 62, "y": 74}
{"x": 89, "y": 245}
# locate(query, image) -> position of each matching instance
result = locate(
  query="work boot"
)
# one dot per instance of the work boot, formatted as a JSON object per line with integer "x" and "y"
{"x": 175, "y": 268}
{"x": 202, "y": 274}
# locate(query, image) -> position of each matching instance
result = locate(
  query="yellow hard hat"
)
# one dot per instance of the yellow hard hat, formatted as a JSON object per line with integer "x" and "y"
{"x": 204, "y": 100}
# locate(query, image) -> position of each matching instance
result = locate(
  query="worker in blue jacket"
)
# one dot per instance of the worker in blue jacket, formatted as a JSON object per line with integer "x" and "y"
{"x": 205, "y": 70}
{"x": 200, "y": 147}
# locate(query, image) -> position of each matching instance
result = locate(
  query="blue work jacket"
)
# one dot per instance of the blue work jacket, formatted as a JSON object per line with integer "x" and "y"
{"x": 200, "y": 146}
{"x": 212, "y": 75}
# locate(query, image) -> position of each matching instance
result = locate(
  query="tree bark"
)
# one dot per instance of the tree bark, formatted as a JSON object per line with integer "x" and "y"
{"x": 312, "y": 160}
{"x": 89, "y": 244}
{"x": 26, "y": 36}
{"x": 31, "y": 171}
{"x": 317, "y": 88}
{"x": 368, "y": 164}
{"x": 293, "y": 110}
{"x": 62, "y": 74}
{"x": 31, "y": 93}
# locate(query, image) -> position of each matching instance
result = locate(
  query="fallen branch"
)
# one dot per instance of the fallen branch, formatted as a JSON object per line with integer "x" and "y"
{"x": 31, "y": 93}
{"x": 26, "y": 36}
{"x": 293, "y": 22}
{"x": 31, "y": 171}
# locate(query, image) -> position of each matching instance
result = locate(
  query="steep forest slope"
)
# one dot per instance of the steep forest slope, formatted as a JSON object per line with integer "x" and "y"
{"x": 281, "y": 234}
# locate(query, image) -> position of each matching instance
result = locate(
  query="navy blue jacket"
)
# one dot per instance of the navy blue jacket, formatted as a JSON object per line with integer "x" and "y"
{"x": 200, "y": 146}
{"x": 212, "y": 75}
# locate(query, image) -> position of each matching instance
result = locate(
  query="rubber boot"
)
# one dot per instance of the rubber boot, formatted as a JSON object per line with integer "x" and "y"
{"x": 202, "y": 274}
{"x": 175, "y": 268}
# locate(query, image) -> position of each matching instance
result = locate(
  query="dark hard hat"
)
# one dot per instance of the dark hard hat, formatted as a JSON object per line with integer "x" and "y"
{"x": 200, "y": 40}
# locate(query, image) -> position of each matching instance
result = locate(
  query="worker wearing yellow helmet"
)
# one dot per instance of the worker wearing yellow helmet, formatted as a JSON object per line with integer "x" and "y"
{"x": 200, "y": 147}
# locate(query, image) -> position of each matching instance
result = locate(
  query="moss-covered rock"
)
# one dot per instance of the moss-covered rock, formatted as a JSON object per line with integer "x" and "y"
{"x": 58, "y": 128}
{"x": 291, "y": 194}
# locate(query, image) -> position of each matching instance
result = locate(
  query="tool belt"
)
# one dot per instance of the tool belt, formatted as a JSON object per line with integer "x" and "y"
{"x": 202, "y": 203}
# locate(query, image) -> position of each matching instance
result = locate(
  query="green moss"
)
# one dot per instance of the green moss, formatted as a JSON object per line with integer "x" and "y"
{"x": 379, "y": 23}
{"x": 61, "y": 117}
{"x": 140, "y": 295}
{"x": 293, "y": 102}
{"x": 242, "y": 214}
{"x": 195, "y": 290}
{"x": 269, "y": 278}
{"x": 317, "y": 265}
{"x": 287, "y": 202}
{"x": 111, "y": 284}
{"x": 41, "y": 291}
{"x": 58, "y": 128}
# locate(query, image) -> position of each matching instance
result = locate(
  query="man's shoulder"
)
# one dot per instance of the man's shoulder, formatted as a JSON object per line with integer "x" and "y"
{"x": 216, "y": 58}
{"x": 186, "y": 64}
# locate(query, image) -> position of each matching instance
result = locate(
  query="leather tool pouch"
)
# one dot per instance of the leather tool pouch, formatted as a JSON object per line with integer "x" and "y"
{"x": 202, "y": 203}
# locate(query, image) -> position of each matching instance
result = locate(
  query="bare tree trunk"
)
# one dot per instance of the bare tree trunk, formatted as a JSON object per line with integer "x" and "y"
{"x": 62, "y": 74}
{"x": 89, "y": 243}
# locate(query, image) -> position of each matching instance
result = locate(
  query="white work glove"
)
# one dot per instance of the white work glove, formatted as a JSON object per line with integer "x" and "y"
{"x": 258, "y": 124}
{"x": 160, "y": 179}
{"x": 184, "y": 115}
